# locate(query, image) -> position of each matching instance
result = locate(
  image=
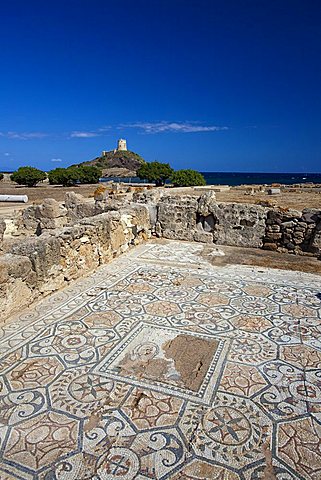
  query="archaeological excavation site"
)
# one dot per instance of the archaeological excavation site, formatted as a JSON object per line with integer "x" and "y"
{"x": 155, "y": 335}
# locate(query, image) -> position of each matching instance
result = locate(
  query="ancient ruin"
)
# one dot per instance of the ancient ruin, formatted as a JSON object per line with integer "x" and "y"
{"x": 160, "y": 363}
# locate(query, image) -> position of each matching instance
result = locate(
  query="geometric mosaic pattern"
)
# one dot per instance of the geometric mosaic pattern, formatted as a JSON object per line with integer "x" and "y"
{"x": 162, "y": 366}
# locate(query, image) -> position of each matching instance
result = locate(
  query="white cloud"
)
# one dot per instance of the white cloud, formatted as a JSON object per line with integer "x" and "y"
{"x": 6, "y": 154}
{"x": 77, "y": 134}
{"x": 178, "y": 127}
{"x": 56, "y": 159}
{"x": 24, "y": 135}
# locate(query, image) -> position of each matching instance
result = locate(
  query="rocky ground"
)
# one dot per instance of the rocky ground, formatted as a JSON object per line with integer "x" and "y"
{"x": 291, "y": 198}
{"x": 168, "y": 363}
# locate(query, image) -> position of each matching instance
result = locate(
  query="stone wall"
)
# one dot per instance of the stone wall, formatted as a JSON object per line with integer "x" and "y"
{"x": 293, "y": 231}
{"x": 39, "y": 265}
{"x": 60, "y": 243}
{"x": 202, "y": 219}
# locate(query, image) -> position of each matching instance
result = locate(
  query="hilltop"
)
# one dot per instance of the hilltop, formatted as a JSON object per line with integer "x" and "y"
{"x": 117, "y": 163}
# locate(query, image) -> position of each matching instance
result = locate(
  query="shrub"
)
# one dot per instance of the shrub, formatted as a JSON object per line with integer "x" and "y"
{"x": 72, "y": 175}
{"x": 155, "y": 172}
{"x": 90, "y": 174}
{"x": 1, "y": 176}
{"x": 63, "y": 176}
{"x": 187, "y": 178}
{"x": 28, "y": 176}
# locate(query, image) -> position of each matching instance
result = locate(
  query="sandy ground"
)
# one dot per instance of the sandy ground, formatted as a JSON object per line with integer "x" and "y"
{"x": 263, "y": 258}
{"x": 293, "y": 198}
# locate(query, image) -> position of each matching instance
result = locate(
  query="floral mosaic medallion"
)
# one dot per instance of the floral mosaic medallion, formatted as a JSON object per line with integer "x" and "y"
{"x": 231, "y": 432}
{"x": 161, "y": 366}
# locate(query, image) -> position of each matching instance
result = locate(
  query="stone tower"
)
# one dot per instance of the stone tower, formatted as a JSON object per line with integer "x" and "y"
{"x": 121, "y": 145}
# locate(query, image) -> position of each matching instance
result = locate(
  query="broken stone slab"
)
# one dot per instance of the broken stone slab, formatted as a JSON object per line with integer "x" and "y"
{"x": 43, "y": 253}
{"x": 203, "y": 237}
{"x": 206, "y": 202}
{"x": 50, "y": 208}
{"x": 17, "y": 266}
{"x": 72, "y": 199}
{"x": 311, "y": 215}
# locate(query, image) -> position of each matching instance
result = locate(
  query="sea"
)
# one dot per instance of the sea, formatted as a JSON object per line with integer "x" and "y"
{"x": 241, "y": 178}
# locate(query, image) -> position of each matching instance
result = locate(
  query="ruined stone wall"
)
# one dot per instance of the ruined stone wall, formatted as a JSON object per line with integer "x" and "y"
{"x": 293, "y": 231}
{"x": 202, "y": 219}
{"x": 65, "y": 242}
{"x": 39, "y": 265}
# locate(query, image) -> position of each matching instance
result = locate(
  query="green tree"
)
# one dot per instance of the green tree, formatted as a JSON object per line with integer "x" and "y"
{"x": 187, "y": 178}
{"x": 28, "y": 176}
{"x": 155, "y": 172}
{"x": 89, "y": 174}
{"x": 72, "y": 175}
{"x": 63, "y": 176}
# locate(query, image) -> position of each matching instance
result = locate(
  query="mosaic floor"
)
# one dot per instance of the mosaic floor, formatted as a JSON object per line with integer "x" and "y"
{"x": 161, "y": 366}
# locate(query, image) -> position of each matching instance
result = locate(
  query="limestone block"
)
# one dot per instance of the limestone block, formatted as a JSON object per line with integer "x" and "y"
{"x": 43, "y": 253}
{"x": 285, "y": 225}
{"x": 206, "y": 203}
{"x": 50, "y": 208}
{"x": 17, "y": 281}
{"x": 18, "y": 266}
{"x": 178, "y": 216}
{"x": 148, "y": 196}
{"x": 72, "y": 199}
{"x": 203, "y": 237}
{"x": 29, "y": 220}
{"x": 240, "y": 225}
{"x": 315, "y": 246}
{"x": 140, "y": 217}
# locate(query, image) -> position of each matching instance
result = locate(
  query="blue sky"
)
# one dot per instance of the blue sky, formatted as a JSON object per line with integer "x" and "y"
{"x": 215, "y": 86}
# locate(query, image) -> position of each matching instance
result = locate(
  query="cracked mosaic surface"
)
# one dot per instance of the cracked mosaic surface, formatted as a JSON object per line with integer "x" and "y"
{"x": 161, "y": 366}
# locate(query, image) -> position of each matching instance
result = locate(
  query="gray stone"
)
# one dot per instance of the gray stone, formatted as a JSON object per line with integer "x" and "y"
{"x": 206, "y": 203}
{"x": 311, "y": 215}
{"x": 240, "y": 225}
{"x": 203, "y": 237}
{"x": 177, "y": 216}
{"x": 72, "y": 199}
{"x": 2, "y": 230}
{"x": 50, "y": 208}
{"x": 18, "y": 266}
{"x": 290, "y": 246}
{"x": 29, "y": 220}
{"x": 315, "y": 245}
{"x": 209, "y": 223}
{"x": 43, "y": 253}
{"x": 285, "y": 225}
